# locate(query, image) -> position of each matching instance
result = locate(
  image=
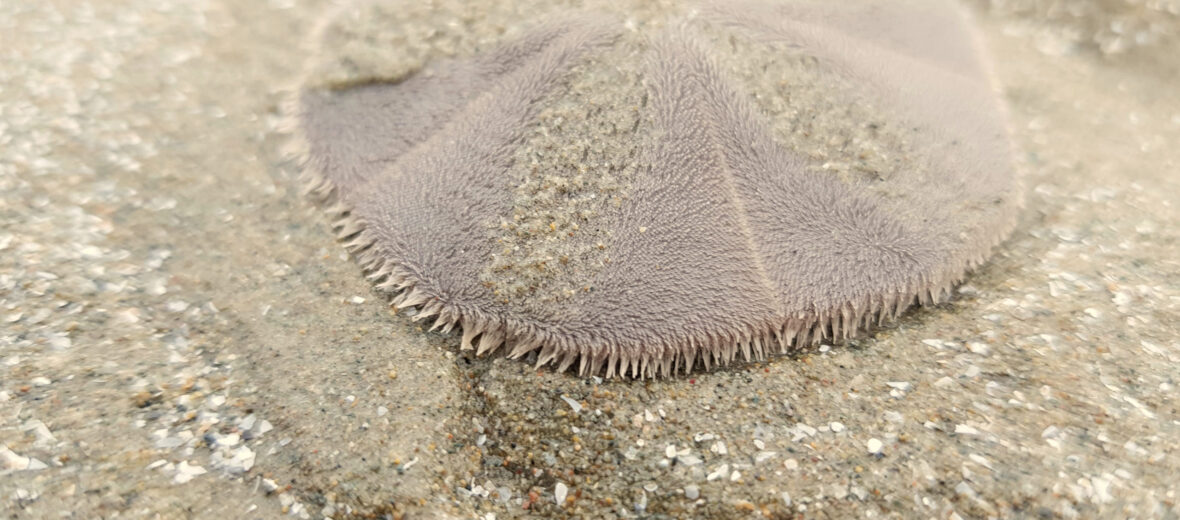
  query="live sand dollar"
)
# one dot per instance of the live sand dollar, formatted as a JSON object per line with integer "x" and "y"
{"x": 637, "y": 188}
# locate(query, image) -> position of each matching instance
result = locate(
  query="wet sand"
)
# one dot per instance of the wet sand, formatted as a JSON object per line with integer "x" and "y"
{"x": 181, "y": 337}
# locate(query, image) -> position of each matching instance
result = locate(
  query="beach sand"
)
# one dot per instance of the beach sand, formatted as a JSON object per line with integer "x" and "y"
{"x": 180, "y": 336}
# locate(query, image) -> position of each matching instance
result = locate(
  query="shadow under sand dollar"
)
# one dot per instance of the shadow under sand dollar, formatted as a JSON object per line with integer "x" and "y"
{"x": 365, "y": 402}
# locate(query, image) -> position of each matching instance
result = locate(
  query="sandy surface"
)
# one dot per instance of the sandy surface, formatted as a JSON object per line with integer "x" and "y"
{"x": 181, "y": 338}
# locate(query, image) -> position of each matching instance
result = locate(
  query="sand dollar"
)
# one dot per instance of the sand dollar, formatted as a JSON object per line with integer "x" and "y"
{"x": 640, "y": 188}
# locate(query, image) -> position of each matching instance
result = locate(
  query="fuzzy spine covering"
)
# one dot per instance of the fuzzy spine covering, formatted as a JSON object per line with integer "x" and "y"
{"x": 488, "y": 334}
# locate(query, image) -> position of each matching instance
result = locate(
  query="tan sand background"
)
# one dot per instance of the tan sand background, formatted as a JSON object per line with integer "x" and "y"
{"x": 181, "y": 338}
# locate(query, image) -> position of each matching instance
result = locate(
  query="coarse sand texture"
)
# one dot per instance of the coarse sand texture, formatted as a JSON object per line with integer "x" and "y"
{"x": 642, "y": 188}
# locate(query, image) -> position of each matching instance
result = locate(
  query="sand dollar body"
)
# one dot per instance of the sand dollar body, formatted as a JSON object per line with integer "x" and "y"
{"x": 641, "y": 187}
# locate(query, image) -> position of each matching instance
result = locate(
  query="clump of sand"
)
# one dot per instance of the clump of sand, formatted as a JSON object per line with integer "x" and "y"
{"x": 575, "y": 163}
{"x": 815, "y": 113}
{"x": 385, "y": 41}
